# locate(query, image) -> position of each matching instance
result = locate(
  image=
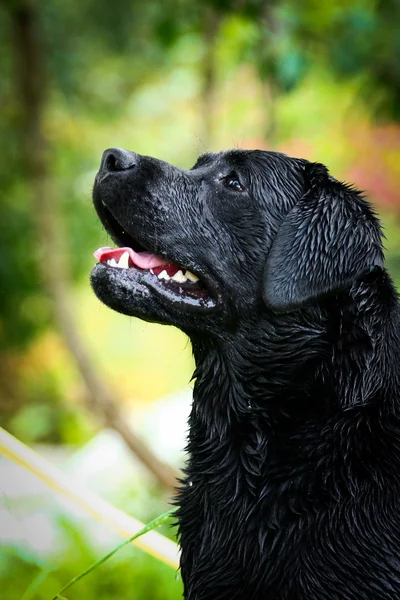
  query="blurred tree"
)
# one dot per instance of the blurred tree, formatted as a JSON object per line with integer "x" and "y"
{"x": 354, "y": 39}
{"x": 31, "y": 77}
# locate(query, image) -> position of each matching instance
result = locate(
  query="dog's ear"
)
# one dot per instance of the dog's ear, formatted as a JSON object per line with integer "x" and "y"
{"x": 329, "y": 238}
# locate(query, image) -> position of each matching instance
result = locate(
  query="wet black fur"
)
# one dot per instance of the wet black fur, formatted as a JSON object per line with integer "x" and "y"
{"x": 292, "y": 485}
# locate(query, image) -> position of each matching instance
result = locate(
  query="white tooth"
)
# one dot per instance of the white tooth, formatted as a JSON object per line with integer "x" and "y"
{"x": 151, "y": 271}
{"x": 191, "y": 276}
{"x": 164, "y": 275}
{"x": 179, "y": 277}
{"x": 124, "y": 261}
{"x": 113, "y": 262}
{"x": 109, "y": 262}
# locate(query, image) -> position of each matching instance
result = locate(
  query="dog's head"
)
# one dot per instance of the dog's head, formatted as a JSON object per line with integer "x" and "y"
{"x": 240, "y": 232}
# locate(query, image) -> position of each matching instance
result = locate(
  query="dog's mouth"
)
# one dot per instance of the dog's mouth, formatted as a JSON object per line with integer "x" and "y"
{"x": 174, "y": 277}
{"x": 134, "y": 266}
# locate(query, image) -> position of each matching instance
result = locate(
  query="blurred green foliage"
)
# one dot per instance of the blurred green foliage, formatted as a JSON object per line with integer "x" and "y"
{"x": 129, "y": 575}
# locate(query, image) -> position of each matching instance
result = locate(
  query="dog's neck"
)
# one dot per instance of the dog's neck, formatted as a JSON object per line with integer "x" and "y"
{"x": 301, "y": 365}
{"x": 286, "y": 378}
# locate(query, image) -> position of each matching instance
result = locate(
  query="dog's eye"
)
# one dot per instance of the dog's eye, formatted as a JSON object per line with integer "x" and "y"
{"x": 232, "y": 183}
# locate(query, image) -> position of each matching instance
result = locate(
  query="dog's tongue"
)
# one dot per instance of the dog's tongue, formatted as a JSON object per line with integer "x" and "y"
{"x": 143, "y": 260}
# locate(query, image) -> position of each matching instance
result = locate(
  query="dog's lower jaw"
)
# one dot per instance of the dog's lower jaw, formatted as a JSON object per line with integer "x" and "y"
{"x": 261, "y": 463}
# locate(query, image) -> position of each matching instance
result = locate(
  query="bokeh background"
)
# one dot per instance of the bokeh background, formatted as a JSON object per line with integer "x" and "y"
{"x": 102, "y": 396}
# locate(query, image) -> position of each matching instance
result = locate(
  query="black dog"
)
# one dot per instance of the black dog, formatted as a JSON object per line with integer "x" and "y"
{"x": 275, "y": 271}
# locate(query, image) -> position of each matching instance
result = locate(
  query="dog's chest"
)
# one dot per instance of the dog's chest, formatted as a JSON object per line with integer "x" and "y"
{"x": 262, "y": 520}
{"x": 239, "y": 519}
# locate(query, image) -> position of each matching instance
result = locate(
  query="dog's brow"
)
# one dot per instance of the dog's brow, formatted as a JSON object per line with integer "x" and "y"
{"x": 203, "y": 160}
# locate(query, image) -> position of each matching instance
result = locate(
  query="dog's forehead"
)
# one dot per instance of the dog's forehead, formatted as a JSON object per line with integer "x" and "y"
{"x": 226, "y": 158}
{"x": 237, "y": 158}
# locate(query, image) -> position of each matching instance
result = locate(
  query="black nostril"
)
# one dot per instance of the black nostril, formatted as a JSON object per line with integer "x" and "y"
{"x": 112, "y": 163}
{"x": 117, "y": 159}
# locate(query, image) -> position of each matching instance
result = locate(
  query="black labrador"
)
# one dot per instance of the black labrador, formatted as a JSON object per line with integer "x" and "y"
{"x": 275, "y": 271}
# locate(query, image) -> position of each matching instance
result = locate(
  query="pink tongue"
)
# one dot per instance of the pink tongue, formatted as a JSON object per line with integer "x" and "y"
{"x": 143, "y": 260}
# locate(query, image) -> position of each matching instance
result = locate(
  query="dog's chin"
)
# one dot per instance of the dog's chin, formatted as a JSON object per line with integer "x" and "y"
{"x": 140, "y": 293}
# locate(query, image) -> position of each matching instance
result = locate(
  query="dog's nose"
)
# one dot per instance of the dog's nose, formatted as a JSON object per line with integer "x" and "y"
{"x": 117, "y": 159}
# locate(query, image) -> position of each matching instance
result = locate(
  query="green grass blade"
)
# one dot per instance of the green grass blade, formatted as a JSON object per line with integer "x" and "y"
{"x": 160, "y": 520}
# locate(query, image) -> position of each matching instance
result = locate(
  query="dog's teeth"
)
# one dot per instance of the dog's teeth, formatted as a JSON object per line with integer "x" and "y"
{"x": 191, "y": 276}
{"x": 151, "y": 271}
{"x": 112, "y": 262}
{"x": 124, "y": 261}
{"x": 179, "y": 277}
{"x": 164, "y": 275}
